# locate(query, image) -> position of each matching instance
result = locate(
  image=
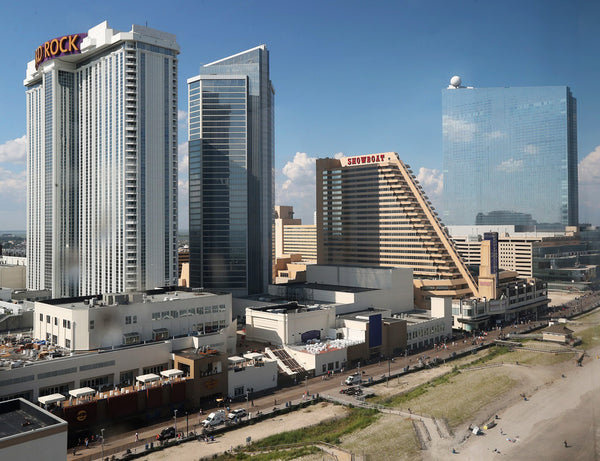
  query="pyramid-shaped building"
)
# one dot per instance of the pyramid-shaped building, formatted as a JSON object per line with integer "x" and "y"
{"x": 371, "y": 211}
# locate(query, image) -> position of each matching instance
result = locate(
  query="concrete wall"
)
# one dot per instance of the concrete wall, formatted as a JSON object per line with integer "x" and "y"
{"x": 363, "y": 277}
{"x": 442, "y": 308}
{"x": 394, "y": 338}
{"x": 330, "y": 359}
{"x": 12, "y": 276}
{"x": 38, "y": 446}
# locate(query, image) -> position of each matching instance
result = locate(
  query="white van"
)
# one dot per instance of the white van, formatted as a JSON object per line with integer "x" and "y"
{"x": 353, "y": 379}
{"x": 214, "y": 419}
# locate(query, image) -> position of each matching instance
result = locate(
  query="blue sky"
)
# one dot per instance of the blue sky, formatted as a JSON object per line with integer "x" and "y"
{"x": 351, "y": 77}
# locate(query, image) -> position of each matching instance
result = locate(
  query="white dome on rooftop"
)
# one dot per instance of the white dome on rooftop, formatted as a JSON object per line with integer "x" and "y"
{"x": 455, "y": 81}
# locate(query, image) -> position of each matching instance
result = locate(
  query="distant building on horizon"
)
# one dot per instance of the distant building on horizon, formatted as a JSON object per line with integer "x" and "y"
{"x": 102, "y": 162}
{"x": 510, "y": 156}
{"x": 231, "y": 173}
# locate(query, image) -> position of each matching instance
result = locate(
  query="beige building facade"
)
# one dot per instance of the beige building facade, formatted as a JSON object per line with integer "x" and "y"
{"x": 514, "y": 253}
{"x": 294, "y": 245}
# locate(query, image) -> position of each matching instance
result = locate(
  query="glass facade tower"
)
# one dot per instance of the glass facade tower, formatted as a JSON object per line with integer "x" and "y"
{"x": 510, "y": 156}
{"x": 231, "y": 155}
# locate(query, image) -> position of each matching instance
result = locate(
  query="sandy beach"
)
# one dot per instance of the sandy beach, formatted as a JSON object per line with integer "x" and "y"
{"x": 565, "y": 410}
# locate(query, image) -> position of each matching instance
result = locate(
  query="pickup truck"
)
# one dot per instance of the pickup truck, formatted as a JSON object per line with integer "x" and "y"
{"x": 166, "y": 434}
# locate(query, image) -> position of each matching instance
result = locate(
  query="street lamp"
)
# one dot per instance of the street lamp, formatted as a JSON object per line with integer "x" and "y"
{"x": 102, "y": 443}
{"x": 175, "y": 423}
{"x": 387, "y": 383}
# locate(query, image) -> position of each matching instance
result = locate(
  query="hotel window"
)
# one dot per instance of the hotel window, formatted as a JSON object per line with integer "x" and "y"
{"x": 91, "y": 324}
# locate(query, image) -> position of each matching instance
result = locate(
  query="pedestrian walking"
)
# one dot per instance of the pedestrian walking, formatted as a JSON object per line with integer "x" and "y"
{"x": 566, "y": 445}
{"x": 137, "y": 438}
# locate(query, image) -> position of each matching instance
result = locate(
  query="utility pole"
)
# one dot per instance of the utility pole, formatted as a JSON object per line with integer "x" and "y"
{"x": 175, "y": 423}
{"x": 187, "y": 424}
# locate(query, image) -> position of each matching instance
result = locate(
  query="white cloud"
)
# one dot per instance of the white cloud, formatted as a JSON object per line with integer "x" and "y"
{"x": 458, "y": 130}
{"x": 295, "y": 186}
{"x": 511, "y": 165}
{"x": 14, "y": 150}
{"x": 432, "y": 181}
{"x": 181, "y": 115}
{"x": 589, "y": 188}
{"x": 301, "y": 170}
{"x": 183, "y": 158}
{"x": 13, "y": 186}
{"x": 531, "y": 149}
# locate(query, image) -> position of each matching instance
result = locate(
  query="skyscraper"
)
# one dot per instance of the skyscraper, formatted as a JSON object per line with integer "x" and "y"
{"x": 231, "y": 155}
{"x": 510, "y": 156}
{"x": 372, "y": 212}
{"x": 102, "y": 162}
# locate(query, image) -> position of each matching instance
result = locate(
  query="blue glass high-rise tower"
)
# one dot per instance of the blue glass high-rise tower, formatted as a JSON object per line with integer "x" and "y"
{"x": 510, "y": 156}
{"x": 231, "y": 161}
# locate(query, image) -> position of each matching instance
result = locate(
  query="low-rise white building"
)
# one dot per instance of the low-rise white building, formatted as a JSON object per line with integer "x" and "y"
{"x": 289, "y": 323}
{"x": 86, "y": 342}
{"x": 81, "y": 324}
{"x": 425, "y": 328}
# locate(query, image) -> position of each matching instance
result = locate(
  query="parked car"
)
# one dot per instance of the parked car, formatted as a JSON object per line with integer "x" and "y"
{"x": 167, "y": 433}
{"x": 238, "y": 413}
{"x": 351, "y": 391}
